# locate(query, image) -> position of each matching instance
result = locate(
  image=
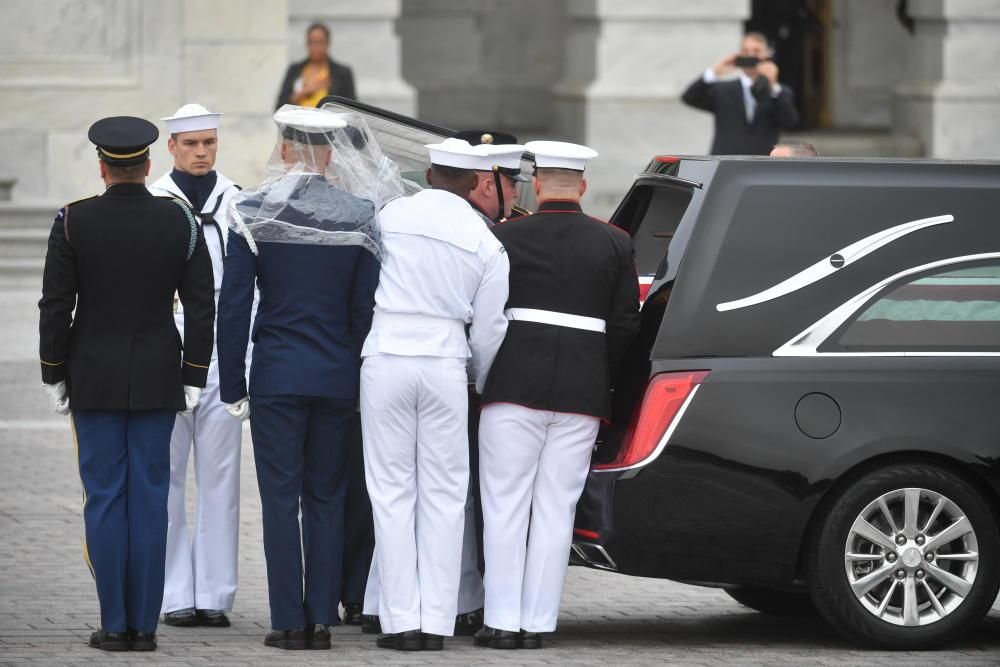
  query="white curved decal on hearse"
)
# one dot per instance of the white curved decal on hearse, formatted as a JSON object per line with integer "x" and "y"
{"x": 835, "y": 262}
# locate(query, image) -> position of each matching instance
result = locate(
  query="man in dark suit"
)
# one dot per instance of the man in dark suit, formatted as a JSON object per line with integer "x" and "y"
{"x": 310, "y": 80}
{"x": 118, "y": 259}
{"x": 750, "y": 109}
{"x": 315, "y": 310}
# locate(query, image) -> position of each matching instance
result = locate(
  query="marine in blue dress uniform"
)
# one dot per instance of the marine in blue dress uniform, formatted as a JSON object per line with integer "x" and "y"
{"x": 315, "y": 310}
{"x": 116, "y": 362}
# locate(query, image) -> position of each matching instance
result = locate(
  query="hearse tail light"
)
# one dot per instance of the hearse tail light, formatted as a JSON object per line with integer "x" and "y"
{"x": 667, "y": 159}
{"x": 666, "y": 395}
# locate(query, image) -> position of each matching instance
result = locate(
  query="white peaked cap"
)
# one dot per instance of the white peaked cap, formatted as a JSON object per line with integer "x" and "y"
{"x": 308, "y": 119}
{"x": 460, "y": 154}
{"x": 192, "y": 118}
{"x": 505, "y": 156}
{"x": 560, "y": 155}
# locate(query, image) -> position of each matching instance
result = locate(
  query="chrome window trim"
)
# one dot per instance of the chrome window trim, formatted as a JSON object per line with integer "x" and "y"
{"x": 829, "y": 265}
{"x": 806, "y": 344}
{"x": 664, "y": 439}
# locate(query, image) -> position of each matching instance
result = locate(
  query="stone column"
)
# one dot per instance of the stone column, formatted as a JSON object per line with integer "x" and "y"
{"x": 364, "y": 36}
{"x": 627, "y": 64}
{"x": 951, "y": 96}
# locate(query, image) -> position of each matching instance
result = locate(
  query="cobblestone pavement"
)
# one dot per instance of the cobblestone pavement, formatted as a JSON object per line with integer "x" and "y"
{"x": 48, "y": 605}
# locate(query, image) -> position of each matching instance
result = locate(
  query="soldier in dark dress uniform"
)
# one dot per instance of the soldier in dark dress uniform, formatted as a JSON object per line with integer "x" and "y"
{"x": 573, "y": 308}
{"x": 117, "y": 363}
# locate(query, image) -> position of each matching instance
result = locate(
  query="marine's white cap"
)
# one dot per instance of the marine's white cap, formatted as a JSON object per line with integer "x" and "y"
{"x": 505, "y": 156}
{"x": 192, "y": 118}
{"x": 460, "y": 154}
{"x": 560, "y": 155}
{"x": 308, "y": 119}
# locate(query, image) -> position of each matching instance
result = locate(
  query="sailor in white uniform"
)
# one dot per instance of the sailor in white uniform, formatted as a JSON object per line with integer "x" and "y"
{"x": 573, "y": 310}
{"x": 443, "y": 270}
{"x": 201, "y": 575}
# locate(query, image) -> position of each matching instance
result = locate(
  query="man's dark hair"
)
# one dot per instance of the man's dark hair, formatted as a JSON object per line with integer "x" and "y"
{"x": 322, "y": 28}
{"x": 450, "y": 174}
{"x": 800, "y": 148}
{"x": 135, "y": 172}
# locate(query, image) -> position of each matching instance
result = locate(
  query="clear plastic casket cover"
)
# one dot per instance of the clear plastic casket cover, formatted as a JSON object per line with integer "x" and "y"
{"x": 325, "y": 183}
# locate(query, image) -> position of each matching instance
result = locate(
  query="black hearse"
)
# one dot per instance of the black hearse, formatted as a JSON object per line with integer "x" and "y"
{"x": 810, "y": 416}
{"x": 813, "y": 404}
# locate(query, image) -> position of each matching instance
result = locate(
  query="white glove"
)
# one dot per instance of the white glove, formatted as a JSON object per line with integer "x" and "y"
{"x": 57, "y": 394}
{"x": 191, "y": 396}
{"x": 240, "y": 409}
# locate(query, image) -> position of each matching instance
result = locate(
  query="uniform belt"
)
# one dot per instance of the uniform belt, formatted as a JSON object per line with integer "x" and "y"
{"x": 557, "y": 319}
{"x": 384, "y": 319}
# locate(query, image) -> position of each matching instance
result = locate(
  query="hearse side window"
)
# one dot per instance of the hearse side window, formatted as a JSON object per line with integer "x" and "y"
{"x": 956, "y": 309}
{"x": 651, "y": 217}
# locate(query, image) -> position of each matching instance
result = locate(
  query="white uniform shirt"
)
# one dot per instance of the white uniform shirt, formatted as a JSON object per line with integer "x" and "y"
{"x": 442, "y": 263}
{"x": 224, "y": 188}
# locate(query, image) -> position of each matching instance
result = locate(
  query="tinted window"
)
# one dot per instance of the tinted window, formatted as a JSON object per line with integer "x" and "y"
{"x": 954, "y": 309}
{"x": 651, "y": 215}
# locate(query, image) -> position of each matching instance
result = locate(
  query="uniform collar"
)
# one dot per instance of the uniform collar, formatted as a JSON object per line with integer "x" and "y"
{"x": 126, "y": 189}
{"x": 559, "y": 206}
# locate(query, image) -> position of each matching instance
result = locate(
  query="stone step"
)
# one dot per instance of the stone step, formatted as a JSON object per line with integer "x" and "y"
{"x": 23, "y": 243}
{"x": 20, "y": 272}
{"x": 31, "y": 215}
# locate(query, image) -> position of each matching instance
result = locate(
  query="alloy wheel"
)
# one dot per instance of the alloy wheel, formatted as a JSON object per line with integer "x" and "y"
{"x": 911, "y": 557}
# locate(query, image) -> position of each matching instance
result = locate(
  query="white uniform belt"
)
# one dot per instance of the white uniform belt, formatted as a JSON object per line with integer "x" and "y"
{"x": 557, "y": 319}
{"x": 384, "y": 319}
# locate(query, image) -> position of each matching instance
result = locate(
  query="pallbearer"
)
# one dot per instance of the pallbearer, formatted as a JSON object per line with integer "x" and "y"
{"x": 443, "y": 270}
{"x": 573, "y": 309}
{"x": 116, "y": 362}
{"x": 201, "y": 564}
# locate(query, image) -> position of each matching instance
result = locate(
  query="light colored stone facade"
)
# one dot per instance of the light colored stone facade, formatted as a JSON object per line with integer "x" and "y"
{"x": 608, "y": 73}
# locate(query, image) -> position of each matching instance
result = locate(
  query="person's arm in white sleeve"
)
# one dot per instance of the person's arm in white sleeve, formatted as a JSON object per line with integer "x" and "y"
{"x": 489, "y": 324}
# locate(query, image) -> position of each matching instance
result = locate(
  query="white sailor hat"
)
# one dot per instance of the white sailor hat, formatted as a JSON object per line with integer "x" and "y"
{"x": 307, "y": 125}
{"x": 560, "y": 155}
{"x": 192, "y": 118}
{"x": 460, "y": 154}
{"x": 505, "y": 157}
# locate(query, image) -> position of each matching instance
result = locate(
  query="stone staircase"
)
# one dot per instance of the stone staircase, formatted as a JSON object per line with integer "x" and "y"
{"x": 837, "y": 142}
{"x": 24, "y": 234}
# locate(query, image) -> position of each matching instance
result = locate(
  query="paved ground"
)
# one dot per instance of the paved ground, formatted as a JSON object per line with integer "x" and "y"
{"x": 48, "y": 605}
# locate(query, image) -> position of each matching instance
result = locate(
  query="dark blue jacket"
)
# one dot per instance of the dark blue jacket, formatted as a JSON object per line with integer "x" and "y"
{"x": 314, "y": 313}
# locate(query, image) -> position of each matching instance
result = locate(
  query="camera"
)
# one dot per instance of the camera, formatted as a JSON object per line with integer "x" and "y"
{"x": 746, "y": 61}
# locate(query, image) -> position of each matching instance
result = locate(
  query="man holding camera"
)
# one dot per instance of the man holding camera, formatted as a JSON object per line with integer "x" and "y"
{"x": 750, "y": 109}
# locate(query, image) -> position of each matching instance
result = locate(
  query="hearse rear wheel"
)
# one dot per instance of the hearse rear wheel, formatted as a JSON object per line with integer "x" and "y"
{"x": 775, "y": 603}
{"x": 906, "y": 557}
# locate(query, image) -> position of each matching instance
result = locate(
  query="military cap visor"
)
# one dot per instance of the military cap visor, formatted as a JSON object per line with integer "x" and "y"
{"x": 123, "y": 141}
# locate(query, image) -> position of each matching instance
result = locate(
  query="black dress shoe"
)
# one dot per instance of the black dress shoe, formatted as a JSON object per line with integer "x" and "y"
{"x": 433, "y": 642}
{"x": 493, "y": 638}
{"x": 289, "y": 640}
{"x": 411, "y": 640}
{"x": 370, "y": 625}
{"x": 466, "y": 625}
{"x": 109, "y": 641}
{"x": 530, "y": 639}
{"x": 353, "y": 614}
{"x": 142, "y": 641}
{"x": 182, "y": 618}
{"x": 319, "y": 637}
{"x": 213, "y": 618}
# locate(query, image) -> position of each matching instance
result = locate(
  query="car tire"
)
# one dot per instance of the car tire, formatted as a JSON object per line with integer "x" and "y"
{"x": 774, "y": 603}
{"x": 898, "y": 612}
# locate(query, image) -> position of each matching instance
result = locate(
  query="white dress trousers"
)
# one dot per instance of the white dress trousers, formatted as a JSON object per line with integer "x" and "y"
{"x": 201, "y": 564}
{"x": 532, "y": 468}
{"x": 471, "y": 594}
{"x": 414, "y": 416}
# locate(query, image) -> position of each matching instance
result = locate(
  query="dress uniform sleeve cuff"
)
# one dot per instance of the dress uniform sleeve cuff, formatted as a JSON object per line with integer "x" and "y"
{"x": 194, "y": 375}
{"x": 53, "y": 372}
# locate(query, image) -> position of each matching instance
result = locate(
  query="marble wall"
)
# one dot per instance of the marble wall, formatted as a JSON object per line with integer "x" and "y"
{"x": 66, "y": 63}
